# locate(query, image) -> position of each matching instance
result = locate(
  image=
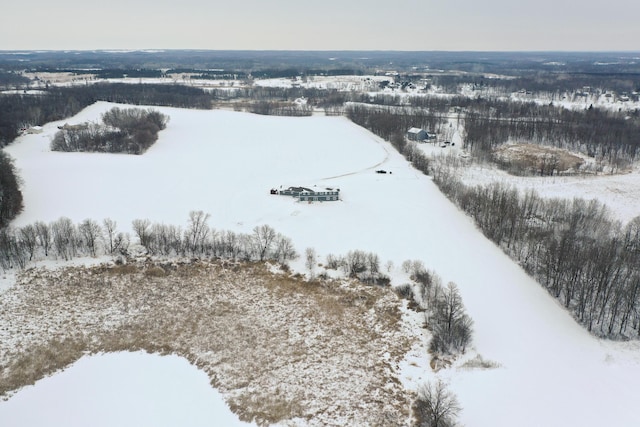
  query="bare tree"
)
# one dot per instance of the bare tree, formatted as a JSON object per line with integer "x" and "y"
{"x": 91, "y": 234}
{"x": 435, "y": 406}
{"x": 310, "y": 261}
{"x": 142, "y": 228}
{"x": 263, "y": 237}
{"x": 110, "y": 230}
{"x": 29, "y": 237}
{"x": 44, "y": 236}
{"x": 355, "y": 263}
{"x": 451, "y": 326}
{"x": 284, "y": 249}
{"x": 373, "y": 266}
{"x": 64, "y": 238}
{"x": 12, "y": 250}
{"x": 197, "y": 231}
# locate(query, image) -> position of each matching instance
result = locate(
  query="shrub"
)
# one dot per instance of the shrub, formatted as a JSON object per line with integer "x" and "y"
{"x": 404, "y": 291}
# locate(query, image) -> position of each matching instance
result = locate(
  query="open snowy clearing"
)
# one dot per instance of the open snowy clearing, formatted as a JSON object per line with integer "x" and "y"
{"x": 620, "y": 192}
{"x": 551, "y": 372}
{"x": 121, "y": 389}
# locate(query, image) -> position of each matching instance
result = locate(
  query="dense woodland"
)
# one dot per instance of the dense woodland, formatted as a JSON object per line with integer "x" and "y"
{"x": 22, "y": 111}
{"x": 610, "y": 137}
{"x": 572, "y": 247}
{"x": 129, "y": 130}
{"x": 10, "y": 195}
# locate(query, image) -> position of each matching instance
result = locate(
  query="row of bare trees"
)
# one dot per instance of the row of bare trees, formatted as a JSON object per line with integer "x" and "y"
{"x": 200, "y": 240}
{"x": 61, "y": 239}
{"x": 444, "y": 311}
{"x": 608, "y": 136}
{"x": 65, "y": 240}
{"x": 357, "y": 264}
{"x": 10, "y": 194}
{"x": 585, "y": 259}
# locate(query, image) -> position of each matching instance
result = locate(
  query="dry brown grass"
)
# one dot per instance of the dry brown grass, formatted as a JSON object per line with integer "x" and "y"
{"x": 277, "y": 347}
{"x": 537, "y": 159}
{"x": 39, "y": 361}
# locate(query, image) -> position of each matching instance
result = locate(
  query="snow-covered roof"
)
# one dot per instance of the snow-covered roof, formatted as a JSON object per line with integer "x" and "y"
{"x": 415, "y": 130}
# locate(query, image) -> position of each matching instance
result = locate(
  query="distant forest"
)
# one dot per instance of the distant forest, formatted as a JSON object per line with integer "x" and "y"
{"x": 19, "y": 111}
{"x": 500, "y": 63}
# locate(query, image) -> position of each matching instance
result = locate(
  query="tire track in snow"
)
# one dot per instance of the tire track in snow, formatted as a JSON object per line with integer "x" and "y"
{"x": 386, "y": 157}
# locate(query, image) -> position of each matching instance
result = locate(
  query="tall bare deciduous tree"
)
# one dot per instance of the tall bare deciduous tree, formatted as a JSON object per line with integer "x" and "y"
{"x": 310, "y": 259}
{"x": 64, "y": 238}
{"x": 197, "y": 231}
{"x": 91, "y": 234}
{"x": 264, "y": 237}
{"x": 435, "y": 406}
{"x": 44, "y": 236}
{"x": 142, "y": 228}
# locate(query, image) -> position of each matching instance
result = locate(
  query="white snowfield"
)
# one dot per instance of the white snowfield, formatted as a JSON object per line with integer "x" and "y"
{"x": 121, "y": 389}
{"x": 552, "y": 372}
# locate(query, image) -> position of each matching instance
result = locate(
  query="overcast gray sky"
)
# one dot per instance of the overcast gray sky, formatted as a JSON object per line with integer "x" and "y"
{"x": 322, "y": 25}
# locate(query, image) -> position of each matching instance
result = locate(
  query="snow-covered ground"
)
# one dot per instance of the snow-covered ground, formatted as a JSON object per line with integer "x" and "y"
{"x": 551, "y": 372}
{"x": 121, "y": 389}
{"x": 620, "y": 192}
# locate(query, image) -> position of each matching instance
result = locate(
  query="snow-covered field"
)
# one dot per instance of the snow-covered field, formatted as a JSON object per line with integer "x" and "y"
{"x": 620, "y": 192}
{"x": 552, "y": 372}
{"x": 121, "y": 389}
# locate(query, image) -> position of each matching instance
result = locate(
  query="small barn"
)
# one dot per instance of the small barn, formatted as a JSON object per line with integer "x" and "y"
{"x": 417, "y": 134}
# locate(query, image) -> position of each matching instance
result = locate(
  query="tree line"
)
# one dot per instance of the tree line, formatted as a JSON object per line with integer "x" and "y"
{"x": 552, "y": 85}
{"x": 608, "y": 136}
{"x": 20, "y": 111}
{"x": 10, "y": 194}
{"x": 131, "y": 130}
{"x": 63, "y": 239}
{"x": 391, "y": 124}
{"x": 444, "y": 312}
{"x": 573, "y": 248}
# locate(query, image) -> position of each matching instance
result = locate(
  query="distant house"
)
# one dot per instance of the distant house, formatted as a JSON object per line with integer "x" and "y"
{"x": 417, "y": 134}
{"x": 69, "y": 127}
{"x": 305, "y": 194}
{"x": 34, "y": 129}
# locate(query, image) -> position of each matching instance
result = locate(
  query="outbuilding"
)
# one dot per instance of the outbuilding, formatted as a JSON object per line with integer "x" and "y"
{"x": 417, "y": 134}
